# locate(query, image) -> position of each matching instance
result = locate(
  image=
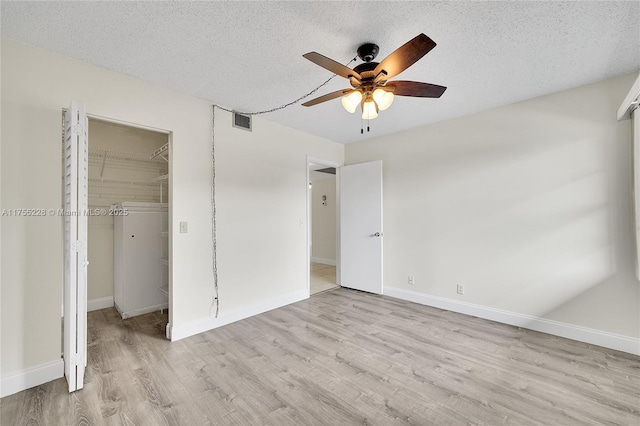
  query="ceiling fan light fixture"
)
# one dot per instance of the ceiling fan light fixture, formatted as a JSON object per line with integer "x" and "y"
{"x": 373, "y": 86}
{"x": 369, "y": 109}
{"x": 383, "y": 98}
{"x": 351, "y": 101}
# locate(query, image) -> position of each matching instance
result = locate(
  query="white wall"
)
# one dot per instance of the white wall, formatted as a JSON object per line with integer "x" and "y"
{"x": 323, "y": 220}
{"x": 528, "y": 206}
{"x": 262, "y": 243}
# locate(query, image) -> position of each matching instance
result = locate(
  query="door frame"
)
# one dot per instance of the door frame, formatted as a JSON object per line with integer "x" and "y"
{"x": 337, "y": 165}
{"x": 169, "y": 134}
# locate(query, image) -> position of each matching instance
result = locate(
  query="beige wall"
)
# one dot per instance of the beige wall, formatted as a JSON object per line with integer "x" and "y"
{"x": 323, "y": 219}
{"x": 262, "y": 242}
{"x": 528, "y": 206}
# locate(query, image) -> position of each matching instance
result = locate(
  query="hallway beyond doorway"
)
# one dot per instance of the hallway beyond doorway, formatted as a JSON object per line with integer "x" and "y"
{"x": 323, "y": 278}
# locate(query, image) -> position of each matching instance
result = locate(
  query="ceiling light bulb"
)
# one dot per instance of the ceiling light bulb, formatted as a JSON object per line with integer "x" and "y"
{"x": 369, "y": 110}
{"x": 351, "y": 101}
{"x": 383, "y": 98}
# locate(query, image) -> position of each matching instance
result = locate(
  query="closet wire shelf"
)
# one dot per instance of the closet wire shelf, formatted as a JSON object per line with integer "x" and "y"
{"x": 121, "y": 155}
{"x": 115, "y": 182}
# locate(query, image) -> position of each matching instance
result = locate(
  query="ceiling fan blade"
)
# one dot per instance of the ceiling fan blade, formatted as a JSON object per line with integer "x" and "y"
{"x": 327, "y": 97}
{"x": 405, "y": 56}
{"x": 415, "y": 89}
{"x": 331, "y": 65}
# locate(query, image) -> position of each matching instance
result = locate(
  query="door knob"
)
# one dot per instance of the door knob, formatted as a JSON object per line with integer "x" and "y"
{"x": 377, "y": 234}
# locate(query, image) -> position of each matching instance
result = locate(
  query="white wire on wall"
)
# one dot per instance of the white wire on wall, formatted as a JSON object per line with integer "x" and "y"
{"x": 214, "y": 239}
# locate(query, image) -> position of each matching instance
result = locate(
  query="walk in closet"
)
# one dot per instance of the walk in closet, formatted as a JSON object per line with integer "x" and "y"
{"x": 128, "y": 227}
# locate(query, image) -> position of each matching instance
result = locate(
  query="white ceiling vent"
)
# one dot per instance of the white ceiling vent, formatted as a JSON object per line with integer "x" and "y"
{"x": 242, "y": 121}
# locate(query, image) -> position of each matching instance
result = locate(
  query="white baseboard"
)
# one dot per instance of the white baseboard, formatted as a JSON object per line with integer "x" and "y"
{"x": 583, "y": 334}
{"x": 324, "y": 261}
{"x": 100, "y": 303}
{"x": 196, "y": 327}
{"x": 31, "y": 377}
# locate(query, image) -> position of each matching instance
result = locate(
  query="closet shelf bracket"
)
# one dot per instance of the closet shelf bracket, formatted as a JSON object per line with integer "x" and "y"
{"x": 161, "y": 152}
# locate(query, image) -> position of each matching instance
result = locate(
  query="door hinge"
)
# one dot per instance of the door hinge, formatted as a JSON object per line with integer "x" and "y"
{"x": 78, "y": 359}
{"x": 76, "y": 245}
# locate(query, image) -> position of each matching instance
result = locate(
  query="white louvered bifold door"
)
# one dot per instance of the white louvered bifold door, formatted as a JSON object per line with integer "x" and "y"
{"x": 75, "y": 244}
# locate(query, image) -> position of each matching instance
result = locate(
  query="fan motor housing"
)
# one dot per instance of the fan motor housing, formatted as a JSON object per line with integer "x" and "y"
{"x": 366, "y": 72}
{"x": 366, "y": 67}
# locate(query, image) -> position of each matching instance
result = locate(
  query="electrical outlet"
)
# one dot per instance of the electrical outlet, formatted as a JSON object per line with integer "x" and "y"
{"x": 411, "y": 280}
{"x": 460, "y": 289}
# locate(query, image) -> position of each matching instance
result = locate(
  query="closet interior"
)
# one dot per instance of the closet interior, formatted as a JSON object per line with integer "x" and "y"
{"x": 128, "y": 238}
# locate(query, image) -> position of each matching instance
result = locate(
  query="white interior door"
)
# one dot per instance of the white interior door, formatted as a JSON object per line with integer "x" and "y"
{"x": 361, "y": 226}
{"x": 75, "y": 244}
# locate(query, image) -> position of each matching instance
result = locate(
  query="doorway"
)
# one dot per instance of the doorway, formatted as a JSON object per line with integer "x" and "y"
{"x": 111, "y": 170}
{"x": 322, "y": 226}
{"x": 358, "y": 225}
{"x": 128, "y": 171}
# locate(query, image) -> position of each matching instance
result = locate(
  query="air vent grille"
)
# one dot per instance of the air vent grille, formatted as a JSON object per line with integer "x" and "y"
{"x": 242, "y": 121}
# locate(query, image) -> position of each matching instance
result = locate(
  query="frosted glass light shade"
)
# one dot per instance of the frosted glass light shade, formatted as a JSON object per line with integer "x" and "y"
{"x": 369, "y": 110}
{"x": 351, "y": 101}
{"x": 383, "y": 98}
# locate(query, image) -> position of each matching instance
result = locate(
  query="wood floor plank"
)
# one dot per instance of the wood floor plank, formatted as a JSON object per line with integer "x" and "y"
{"x": 342, "y": 357}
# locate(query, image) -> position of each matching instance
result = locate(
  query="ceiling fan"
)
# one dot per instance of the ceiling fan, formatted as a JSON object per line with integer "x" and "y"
{"x": 371, "y": 88}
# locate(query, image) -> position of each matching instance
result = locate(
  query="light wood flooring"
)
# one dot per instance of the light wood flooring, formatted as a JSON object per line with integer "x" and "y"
{"x": 339, "y": 358}
{"x": 323, "y": 278}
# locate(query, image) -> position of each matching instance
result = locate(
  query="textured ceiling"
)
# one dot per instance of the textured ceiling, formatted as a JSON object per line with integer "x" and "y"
{"x": 248, "y": 55}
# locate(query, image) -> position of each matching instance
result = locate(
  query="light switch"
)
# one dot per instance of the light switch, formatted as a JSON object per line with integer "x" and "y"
{"x": 183, "y": 227}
